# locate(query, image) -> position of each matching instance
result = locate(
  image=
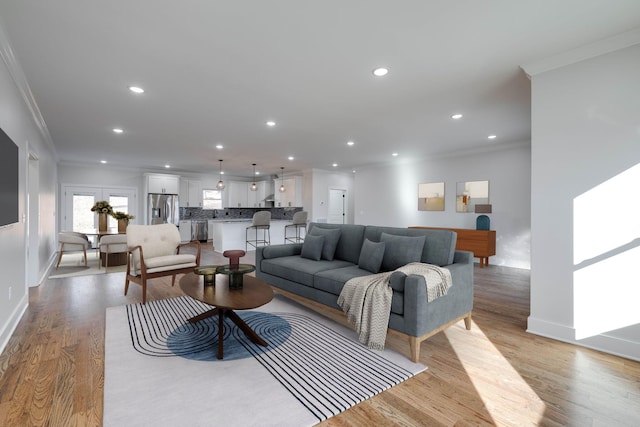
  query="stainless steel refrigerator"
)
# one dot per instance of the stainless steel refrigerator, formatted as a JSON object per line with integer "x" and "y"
{"x": 162, "y": 208}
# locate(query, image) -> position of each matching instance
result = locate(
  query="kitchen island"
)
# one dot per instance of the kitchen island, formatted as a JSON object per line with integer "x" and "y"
{"x": 231, "y": 234}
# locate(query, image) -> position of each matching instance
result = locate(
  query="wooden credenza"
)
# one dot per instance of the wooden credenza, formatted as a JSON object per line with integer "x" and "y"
{"x": 481, "y": 242}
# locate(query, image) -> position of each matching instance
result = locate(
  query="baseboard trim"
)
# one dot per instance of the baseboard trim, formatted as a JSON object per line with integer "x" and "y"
{"x": 603, "y": 342}
{"x": 12, "y": 323}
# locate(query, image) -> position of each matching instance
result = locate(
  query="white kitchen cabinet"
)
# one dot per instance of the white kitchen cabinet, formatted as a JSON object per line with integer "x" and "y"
{"x": 292, "y": 195}
{"x": 237, "y": 193}
{"x": 161, "y": 183}
{"x": 190, "y": 193}
{"x": 210, "y": 231}
{"x": 185, "y": 230}
{"x": 255, "y": 199}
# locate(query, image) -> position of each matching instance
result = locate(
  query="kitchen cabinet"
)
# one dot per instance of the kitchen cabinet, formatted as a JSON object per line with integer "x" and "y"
{"x": 190, "y": 193}
{"x": 185, "y": 230}
{"x": 237, "y": 193}
{"x": 161, "y": 183}
{"x": 293, "y": 192}
{"x": 255, "y": 199}
{"x": 210, "y": 231}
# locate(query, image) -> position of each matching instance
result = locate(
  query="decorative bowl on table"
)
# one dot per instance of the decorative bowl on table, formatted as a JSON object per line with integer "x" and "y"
{"x": 208, "y": 272}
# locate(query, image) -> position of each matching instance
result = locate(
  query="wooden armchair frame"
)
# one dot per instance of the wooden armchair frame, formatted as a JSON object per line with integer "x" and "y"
{"x": 142, "y": 278}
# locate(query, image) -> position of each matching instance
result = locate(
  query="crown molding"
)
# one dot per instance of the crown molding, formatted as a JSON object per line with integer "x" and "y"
{"x": 601, "y": 47}
{"x": 20, "y": 80}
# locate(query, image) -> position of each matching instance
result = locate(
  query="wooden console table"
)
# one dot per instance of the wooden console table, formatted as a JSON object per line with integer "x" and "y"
{"x": 481, "y": 242}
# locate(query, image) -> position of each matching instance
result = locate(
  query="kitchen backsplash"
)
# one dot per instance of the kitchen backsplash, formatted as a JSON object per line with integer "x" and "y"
{"x": 235, "y": 213}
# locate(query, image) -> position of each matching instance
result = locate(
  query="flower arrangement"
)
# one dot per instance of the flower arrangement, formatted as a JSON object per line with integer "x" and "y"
{"x": 102, "y": 207}
{"x": 121, "y": 215}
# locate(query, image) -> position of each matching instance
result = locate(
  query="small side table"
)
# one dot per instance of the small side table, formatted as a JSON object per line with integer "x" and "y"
{"x": 235, "y": 272}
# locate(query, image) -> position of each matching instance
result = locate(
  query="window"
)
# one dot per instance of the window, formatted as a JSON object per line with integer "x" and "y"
{"x": 211, "y": 199}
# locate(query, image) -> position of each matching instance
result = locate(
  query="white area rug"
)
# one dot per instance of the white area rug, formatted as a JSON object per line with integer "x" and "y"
{"x": 162, "y": 371}
{"x": 72, "y": 264}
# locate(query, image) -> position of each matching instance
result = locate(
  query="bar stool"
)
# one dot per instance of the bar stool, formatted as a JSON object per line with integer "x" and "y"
{"x": 298, "y": 222}
{"x": 261, "y": 221}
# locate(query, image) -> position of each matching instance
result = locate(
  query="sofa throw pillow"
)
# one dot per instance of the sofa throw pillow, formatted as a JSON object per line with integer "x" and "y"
{"x": 331, "y": 238}
{"x": 312, "y": 247}
{"x": 401, "y": 250}
{"x": 371, "y": 256}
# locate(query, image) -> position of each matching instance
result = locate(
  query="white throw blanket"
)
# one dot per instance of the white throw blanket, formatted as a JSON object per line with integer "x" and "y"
{"x": 367, "y": 299}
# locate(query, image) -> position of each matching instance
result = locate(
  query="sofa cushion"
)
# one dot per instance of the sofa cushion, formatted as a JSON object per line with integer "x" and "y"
{"x": 298, "y": 269}
{"x": 312, "y": 247}
{"x": 331, "y": 238}
{"x": 371, "y": 256}
{"x": 350, "y": 243}
{"x": 439, "y": 248}
{"x": 401, "y": 250}
{"x": 333, "y": 280}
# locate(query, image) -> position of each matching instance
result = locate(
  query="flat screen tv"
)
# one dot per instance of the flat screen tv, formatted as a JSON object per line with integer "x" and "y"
{"x": 9, "y": 196}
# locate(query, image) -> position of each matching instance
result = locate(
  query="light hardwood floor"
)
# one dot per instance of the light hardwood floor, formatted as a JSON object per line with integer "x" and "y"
{"x": 52, "y": 370}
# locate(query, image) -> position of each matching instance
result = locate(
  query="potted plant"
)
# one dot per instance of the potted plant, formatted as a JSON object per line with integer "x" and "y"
{"x": 102, "y": 208}
{"x": 123, "y": 220}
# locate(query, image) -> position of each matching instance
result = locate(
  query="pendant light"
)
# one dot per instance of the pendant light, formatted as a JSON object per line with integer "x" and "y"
{"x": 254, "y": 187}
{"x": 282, "y": 189}
{"x": 220, "y": 185}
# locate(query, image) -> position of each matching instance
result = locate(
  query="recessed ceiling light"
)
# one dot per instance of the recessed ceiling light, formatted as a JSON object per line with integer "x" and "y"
{"x": 492, "y": 136}
{"x": 117, "y": 130}
{"x": 335, "y": 165}
{"x": 380, "y": 71}
{"x": 167, "y": 166}
{"x": 350, "y": 143}
{"x": 219, "y": 146}
{"x": 291, "y": 158}
{"x": 103, "y": 161}
{"x": 136, "y": 89}
{"x": 271, "y": 123}
{"x": 456, "y": 116}
{"x": 394, "y": 154}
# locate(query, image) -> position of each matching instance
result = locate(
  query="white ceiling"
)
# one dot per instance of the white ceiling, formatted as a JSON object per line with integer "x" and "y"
{"x": 216, "y": 71}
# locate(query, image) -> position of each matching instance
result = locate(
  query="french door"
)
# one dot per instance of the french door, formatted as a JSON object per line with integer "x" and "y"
{"x": 78, "y": 200}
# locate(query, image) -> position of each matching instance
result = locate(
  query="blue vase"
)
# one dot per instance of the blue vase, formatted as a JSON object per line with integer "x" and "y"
{"x": 483, "y": 222}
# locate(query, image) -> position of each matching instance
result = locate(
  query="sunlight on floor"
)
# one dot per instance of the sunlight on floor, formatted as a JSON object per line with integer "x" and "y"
{"x": 505, "y": 394}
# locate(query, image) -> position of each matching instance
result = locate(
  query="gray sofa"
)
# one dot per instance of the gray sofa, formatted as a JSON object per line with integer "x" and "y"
{"x": 285, "y": 267}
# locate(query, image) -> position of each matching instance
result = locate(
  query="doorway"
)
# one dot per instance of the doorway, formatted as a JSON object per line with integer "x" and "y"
{"x": 33, "y": 221}
{"x": 337, "y": 206}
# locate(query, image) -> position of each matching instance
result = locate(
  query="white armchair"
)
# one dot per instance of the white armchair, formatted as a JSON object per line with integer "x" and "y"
{"x": 72, "y": 241}
{"x": 154, "y": 251}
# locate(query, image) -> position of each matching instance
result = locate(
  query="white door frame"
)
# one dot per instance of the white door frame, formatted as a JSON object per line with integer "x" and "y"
{"x": 100, "y": 193}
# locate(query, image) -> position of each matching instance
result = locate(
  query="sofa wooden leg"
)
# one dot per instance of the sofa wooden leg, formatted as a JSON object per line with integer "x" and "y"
{"x": 414, "y": 348}
{"x": 144, "y": 291}
{"x": 126, "y": 285}
{"x": 467, "y": 322}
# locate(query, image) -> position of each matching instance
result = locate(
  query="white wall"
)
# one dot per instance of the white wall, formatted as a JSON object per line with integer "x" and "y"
{"x": 316, "y": 186}
{"x": 585, "y": 133}
{"x": 388, "y": 195}
{"x": 18, "y": 121}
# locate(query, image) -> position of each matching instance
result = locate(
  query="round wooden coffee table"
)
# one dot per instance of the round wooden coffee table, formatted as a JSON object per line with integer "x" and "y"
{"x": 254, "y": 293}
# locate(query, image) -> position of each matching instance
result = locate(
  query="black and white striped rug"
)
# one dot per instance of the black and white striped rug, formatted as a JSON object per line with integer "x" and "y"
{"x": 312, "y": 369}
